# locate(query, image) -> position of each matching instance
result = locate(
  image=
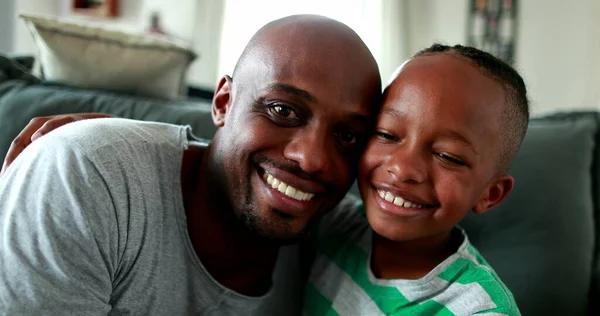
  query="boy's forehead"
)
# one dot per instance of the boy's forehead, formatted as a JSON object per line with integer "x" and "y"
{"x": 449, "y": 74}
{"x": 443, "y": 83}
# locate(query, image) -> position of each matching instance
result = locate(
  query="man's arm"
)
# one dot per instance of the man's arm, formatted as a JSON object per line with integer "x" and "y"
{"x": 57, "y": 233}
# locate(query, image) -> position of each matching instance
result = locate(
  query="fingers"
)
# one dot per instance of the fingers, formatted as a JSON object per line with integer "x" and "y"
{"x": 38, "y": 127}
{"x": 50, "y": 125}
{"x": 22, "y": 140}
{"x": 16, "y": 147}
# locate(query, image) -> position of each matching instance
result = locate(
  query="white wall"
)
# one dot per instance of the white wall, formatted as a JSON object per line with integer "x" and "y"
{"x": 443, "y": 21}
{"x": 558, "y": 46}
{"x": 208, "y": 18}
{"x": 22, "y": 42}
{"x": 558, "y": 51}
{"x": 6, "y": 25}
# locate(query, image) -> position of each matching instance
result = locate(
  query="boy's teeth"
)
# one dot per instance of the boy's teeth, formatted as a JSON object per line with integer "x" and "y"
{"x": 287, "y": 189}
{"x": 399, "y": 201}
{"x": 396, "y": 200}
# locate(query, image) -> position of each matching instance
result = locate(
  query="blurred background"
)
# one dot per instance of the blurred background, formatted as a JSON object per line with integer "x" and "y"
{"x": 555, "y": 44}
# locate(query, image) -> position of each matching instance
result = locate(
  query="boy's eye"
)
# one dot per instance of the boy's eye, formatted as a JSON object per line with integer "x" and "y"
{"x": 381, "y": 135}
{"x": 451, "y": 160}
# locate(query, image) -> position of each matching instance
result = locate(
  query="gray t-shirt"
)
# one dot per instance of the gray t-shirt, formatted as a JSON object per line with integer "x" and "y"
{"x": 92, "y": 223}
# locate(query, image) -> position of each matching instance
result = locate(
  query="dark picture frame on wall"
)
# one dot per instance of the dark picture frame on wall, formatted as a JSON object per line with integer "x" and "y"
{"x": 492, "y": 27}
{"x": 96, "y": 8}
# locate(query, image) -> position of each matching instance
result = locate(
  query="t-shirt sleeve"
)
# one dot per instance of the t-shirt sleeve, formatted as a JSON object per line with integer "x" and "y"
{"x": 57, "y": 233}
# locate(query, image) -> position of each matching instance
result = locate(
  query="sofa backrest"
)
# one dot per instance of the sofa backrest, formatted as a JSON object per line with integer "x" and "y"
{"x": 20, "y": 102}
{"x": 542, "y": 239}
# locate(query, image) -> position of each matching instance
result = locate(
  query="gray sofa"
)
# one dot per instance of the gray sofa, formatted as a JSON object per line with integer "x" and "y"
{"x": 543, "y": 241}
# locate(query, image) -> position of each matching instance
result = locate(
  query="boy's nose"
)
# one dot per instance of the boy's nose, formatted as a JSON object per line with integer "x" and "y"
{"x": 406, "y": 165}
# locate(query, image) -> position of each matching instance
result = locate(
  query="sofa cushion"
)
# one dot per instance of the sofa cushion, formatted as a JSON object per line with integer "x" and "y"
{"x": 84, "y": 56}
{"x": 541, "y": 239}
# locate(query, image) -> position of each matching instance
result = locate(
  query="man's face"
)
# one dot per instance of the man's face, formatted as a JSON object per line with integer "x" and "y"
{"x": 293, "y": 132}
{"x": 435, "y": 151}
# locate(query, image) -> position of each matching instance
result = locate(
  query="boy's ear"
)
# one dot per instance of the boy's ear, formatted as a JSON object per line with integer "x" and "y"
{"x": 221, "y": 103}
{"x": 495, "y": 193}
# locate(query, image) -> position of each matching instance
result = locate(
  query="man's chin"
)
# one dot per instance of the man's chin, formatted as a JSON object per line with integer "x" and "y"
{"x": 276, "y": 227}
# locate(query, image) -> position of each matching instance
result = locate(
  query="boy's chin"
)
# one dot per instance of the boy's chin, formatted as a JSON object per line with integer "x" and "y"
{"x": 391, "y": 231}
{"x": 404, "y": 231}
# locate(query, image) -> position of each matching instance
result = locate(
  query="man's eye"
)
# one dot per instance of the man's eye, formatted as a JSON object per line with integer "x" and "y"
{"x": 451, "y": 160}
{"x": 348, "y": 138}
{"x": 284, "y": 111}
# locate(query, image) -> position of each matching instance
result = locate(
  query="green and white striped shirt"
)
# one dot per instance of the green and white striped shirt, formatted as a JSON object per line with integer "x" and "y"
{"x": 342, "y": 282}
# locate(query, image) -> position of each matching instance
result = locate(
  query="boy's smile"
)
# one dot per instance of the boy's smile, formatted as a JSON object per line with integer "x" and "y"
{"x": 401, "y": 203}
{"x": 435, "y": 151}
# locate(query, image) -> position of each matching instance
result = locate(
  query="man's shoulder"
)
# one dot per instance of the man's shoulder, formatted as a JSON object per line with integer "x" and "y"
{"x": 94, "y": 133}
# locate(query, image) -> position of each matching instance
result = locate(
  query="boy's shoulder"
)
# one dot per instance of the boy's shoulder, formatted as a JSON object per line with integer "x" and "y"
{"x": 471, "y": 280}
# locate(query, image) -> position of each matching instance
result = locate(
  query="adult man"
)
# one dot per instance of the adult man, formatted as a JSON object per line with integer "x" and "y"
{"x": 121, "y": 217}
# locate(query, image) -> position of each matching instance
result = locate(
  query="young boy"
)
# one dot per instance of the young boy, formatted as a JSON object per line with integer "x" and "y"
{"x": 450, "y": 124}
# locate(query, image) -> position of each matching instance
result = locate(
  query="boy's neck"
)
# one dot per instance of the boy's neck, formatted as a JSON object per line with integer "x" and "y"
{"x": 411, "y": 259}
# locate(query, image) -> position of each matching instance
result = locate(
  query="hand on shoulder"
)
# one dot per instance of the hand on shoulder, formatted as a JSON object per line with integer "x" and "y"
{"x": 40, "y": 126}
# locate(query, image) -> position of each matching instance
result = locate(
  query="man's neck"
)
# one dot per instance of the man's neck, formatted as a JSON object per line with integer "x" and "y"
{"x": 237, "y": 259}
{"x": 413, "y": 259}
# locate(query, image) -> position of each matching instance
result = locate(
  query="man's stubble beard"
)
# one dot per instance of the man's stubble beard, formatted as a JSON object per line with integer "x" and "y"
{"x": 247, "y": 215}
{"x": 274, "y": 230}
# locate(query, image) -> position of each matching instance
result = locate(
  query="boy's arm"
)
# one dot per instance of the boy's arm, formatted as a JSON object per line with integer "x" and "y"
{"x": 57, "y": 234}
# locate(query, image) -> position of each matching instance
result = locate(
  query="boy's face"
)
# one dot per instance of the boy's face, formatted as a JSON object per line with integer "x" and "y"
{"x": 435, "y": 152}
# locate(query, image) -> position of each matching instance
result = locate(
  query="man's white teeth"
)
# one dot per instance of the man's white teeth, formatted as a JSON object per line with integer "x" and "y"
{"x": 287, "y": 189}
{"x": 398, "y": 200}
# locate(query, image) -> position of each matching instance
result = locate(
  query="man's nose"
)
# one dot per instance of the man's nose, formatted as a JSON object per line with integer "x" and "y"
{"x": 407, "y": 164}
{"x": 312, "y": 149}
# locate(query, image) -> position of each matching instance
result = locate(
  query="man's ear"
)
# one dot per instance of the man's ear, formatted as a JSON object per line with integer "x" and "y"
{"x": 495, "y": 193}
{"x": 221, "y": 103}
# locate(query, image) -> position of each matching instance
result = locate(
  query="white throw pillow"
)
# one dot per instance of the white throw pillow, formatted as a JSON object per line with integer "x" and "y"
{"x": 97, "y": 58}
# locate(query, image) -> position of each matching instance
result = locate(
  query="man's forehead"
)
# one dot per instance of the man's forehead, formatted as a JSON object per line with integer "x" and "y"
{"x": 319, "y": 85}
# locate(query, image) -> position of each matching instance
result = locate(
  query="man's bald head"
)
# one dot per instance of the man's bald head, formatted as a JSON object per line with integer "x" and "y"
{"x": 299, "y": 108}
{"x": 304, "y": 35}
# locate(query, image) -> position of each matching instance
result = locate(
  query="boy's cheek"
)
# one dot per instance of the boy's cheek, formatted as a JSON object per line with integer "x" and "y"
{"x": 372, "y": 157}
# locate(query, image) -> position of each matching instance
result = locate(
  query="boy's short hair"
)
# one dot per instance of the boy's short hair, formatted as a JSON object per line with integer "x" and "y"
{"x": 515, "y": 116}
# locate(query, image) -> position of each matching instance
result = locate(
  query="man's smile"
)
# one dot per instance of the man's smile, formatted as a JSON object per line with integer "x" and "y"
{"x": 287, "y": 189}
{"x": 287, "y": 192}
